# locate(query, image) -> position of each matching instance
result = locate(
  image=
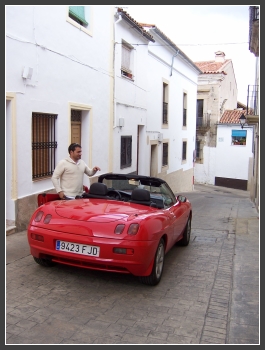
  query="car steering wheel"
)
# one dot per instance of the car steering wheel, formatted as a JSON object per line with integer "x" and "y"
{"x": 114, "y": 194}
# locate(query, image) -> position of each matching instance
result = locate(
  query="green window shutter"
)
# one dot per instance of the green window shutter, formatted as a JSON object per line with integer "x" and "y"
{"x": 78, "y": 12}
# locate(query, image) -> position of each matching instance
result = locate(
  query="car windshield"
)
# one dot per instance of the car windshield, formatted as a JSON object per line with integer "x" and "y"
{"x": 160, "y": 193}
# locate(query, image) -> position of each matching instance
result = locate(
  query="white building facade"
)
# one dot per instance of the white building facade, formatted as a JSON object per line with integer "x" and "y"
{"x": 59, "y": 72}
{"x": 171, "y": 121}
{"x": 234, "y": 166}
{"x": 93, "y": 75}
{"x": 217, "y": 92}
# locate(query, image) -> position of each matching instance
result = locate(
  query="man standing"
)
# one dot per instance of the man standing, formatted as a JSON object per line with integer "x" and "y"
{"x": 68, "y": 175}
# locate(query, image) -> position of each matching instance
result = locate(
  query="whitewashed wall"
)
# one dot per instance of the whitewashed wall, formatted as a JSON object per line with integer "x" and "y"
{"x": 68, "y": 66}
{"x": 205, "y": 173}
{"x": 233, "y": 161}
{"x": 130, "y": 96}
{"x": 182, "y": 77}
{"x": 221, "y": 95}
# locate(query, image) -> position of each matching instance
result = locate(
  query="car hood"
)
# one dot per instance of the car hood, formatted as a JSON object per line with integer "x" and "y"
{"x": 98, "y": 210}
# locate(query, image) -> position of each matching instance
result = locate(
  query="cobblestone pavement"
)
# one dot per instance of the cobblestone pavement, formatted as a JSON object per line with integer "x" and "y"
{"x": 209, "y": 292}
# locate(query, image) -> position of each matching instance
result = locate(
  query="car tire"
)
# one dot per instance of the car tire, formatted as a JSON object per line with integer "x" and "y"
{"x": 156, "y": 274}
{"x": 44, "y": 262}
{"x": 186, "y": 235}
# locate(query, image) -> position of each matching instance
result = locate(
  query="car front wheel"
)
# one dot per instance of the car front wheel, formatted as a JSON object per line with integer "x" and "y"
{"x": 186, "y": 235}
{"x": 156, "y": 274}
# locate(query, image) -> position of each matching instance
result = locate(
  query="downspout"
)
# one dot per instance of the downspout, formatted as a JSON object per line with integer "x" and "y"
{"x": 173, "y": 62}
{"x": 112, "y": 121}
{"x": 114, "y": 71}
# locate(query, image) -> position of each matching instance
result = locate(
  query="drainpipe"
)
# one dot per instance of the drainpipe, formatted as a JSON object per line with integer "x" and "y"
{"x": 172, "y": 62}
{"x": 114, "y": 71}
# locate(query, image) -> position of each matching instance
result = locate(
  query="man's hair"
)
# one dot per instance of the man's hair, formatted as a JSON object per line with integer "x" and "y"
{"x": 73, "y": 146}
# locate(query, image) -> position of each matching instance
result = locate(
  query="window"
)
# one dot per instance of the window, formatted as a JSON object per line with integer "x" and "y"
{"x": 43, "y": 145}
{"x": 184, "y": 150}
{"x": 184, "y": 109}
{"x": 199, "y": 114}
{"x": 165, "y": 103}
{"x": 77, "y": 13}
{"x": 126, "y": 151}
{"x": 198, "y": 144}
{"x": 165, "y": 154}
{"x": 239, "y": 137}
{"x": 126, "y": 61}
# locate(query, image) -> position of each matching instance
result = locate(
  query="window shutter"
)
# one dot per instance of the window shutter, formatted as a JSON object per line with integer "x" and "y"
{"x": 125, "y": 60}
{"x": 78, "y": 12}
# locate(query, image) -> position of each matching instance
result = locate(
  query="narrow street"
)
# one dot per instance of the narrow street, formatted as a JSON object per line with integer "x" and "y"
{"x": 209, "y": 292}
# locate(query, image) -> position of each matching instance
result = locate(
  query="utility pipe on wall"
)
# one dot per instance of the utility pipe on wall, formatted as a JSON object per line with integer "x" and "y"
{"x": 173, "y": 62}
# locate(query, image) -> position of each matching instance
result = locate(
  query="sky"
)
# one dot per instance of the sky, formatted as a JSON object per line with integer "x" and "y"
{"x": 201, "y": 30}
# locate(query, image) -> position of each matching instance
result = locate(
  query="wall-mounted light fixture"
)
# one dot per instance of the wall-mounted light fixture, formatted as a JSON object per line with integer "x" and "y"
{"x": 27, "y": 72}
{"x": 121, "y": 122}
{"x": 242, "y": 120}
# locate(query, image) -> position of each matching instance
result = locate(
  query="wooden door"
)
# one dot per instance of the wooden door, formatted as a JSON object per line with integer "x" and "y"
{"x": 76, "y": 132}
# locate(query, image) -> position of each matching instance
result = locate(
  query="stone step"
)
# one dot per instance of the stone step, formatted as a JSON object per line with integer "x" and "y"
{"x": 10, "y": 230}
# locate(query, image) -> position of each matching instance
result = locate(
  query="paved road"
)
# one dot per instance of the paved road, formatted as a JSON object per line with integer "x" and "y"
{"x": 209, "y": 292}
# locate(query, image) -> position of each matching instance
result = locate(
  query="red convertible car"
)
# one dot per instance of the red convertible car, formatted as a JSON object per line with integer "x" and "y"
{"x": 125, "y": 223}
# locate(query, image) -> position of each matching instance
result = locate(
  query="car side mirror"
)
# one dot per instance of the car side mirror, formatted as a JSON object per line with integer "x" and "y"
{"x": 181, "y": 198}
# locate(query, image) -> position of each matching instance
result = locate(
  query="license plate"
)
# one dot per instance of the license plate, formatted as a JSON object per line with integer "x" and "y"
{"x": 77, "y": 248}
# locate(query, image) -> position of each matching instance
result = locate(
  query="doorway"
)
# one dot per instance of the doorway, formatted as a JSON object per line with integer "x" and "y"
{"x": 153, "y": 161}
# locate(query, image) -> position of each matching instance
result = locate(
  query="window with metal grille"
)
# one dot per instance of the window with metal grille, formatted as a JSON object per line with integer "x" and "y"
{"x": 126, "y": 151}
{"x": 184, "y": 122}
{"x": 184, "y": 150}
{"x": 76, "y": 115}
{"x": 43, "y": 145}
{"x": 165, "y": 103}
{"x": 165, "y": 154}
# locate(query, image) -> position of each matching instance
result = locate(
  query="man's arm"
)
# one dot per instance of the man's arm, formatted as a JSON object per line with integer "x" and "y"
{"x": 91, "y": 172}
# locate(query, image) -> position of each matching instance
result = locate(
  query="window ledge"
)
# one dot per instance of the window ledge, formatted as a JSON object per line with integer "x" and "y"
{"x": 124, "y": 76}
{"x": 79, "y": 26}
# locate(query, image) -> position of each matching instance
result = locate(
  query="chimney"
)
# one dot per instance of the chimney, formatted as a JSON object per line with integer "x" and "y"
{"x": 219, "y": 56}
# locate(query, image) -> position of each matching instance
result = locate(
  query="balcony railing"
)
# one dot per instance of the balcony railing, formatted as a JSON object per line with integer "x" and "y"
{"x": 253, "y": 100}
{"x": 204, "y": 121}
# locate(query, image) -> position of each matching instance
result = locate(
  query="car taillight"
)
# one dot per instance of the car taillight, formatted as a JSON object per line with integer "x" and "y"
{"x": 37, "y": 237}
{"x": 133, "y": 229}
{"x": 38, "y": 216}
{"x": 127, "y": 251}
{"x": 119, "y": 229}
{"x": 47, "y": 219}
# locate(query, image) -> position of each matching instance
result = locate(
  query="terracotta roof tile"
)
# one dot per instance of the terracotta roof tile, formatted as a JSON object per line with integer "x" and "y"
{"x": 210, "y": 67}
{"x": 138, "y": 26}
{"x": 232, "y": 116}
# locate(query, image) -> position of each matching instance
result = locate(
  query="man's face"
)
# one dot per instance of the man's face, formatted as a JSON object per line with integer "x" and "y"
{"x": 76, "y": 154}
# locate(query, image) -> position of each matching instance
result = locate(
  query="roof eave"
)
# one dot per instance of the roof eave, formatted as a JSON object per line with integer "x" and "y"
{"x": 136, "y": 26}
{"x": 174, "y": 47}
